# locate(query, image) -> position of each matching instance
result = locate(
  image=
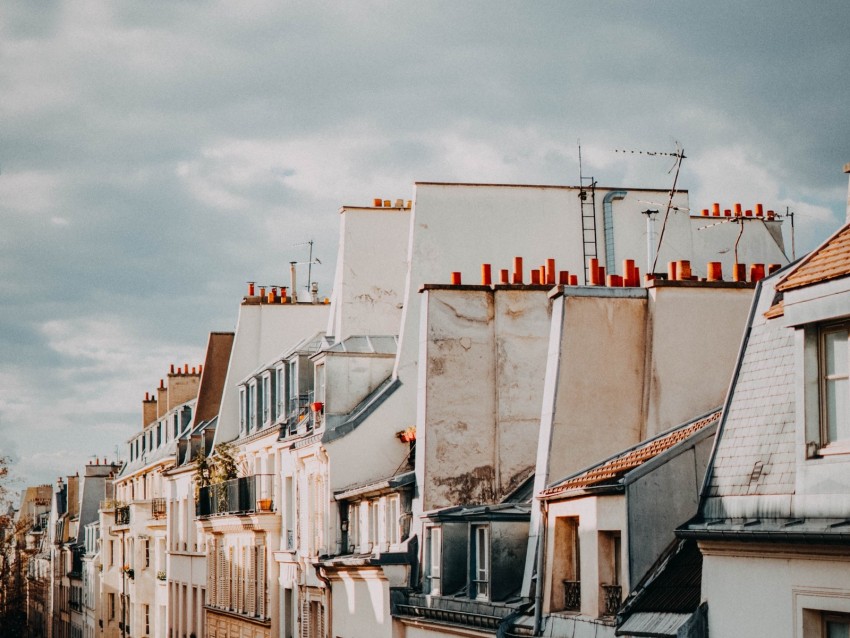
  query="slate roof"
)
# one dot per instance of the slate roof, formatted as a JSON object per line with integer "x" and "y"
{"x": 829, "y": 261}
{"x": 754, "y": 454}
{"x": 610, "y": 471}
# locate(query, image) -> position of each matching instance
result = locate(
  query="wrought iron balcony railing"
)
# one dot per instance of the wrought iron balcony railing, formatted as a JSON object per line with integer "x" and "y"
{"x": 122, "y": 515}
{"x": 245, "y": 495}
{"x": 158, "y": 508}
{"x": 572, "y": 595}
{"x": 612, "y": 595}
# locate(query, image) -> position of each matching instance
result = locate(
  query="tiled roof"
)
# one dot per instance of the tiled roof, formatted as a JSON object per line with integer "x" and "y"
{"x": 754, "y": 454}
{"x": 830, "y": 261}
{"x": 615, "y": 468}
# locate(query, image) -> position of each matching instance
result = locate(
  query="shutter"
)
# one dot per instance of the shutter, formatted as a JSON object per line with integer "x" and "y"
{"x": 240, "y": 581}
{"x": 252, "y": 581}
{"x": 305, "y": 617}
{"x": 211, "y": 574}
{"x": 261, "y": 581}
{"x": 221, "y": 579}
{"x": 320, "y": 619}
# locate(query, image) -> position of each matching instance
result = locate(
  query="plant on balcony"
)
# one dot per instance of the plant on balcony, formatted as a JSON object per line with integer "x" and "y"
{"x": 129, "y": 571}
{"x": 160, "y": 575}
{"x": 224, "y": 465}
{"x": 203, "y": 472}
{"x": 407, "y": 435}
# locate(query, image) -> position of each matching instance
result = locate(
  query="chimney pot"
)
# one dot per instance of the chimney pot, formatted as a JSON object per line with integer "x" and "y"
{"x": 683, "y": 270}
{"x": 456, "y": 279}
{"x": 550, "y": 271}
{"x": 737, "y": 209}
{"x": 172, "y": 369}
{"x": 756, "y": 272}
{"x": 772, "y": 268}
{"x": 399, "y": 203}
{"x": 250, "y": 288}
{"x": 504, "y": 276}
{"x": 739, "y": 272}
{"x": 771, "y": 214}
{"x": 377, "y": 202}
{"x": 486, "y": 275}
{"x": 594, "y": 273}
{"x": 759, "y": 210}
{"x": 387, "y": 203}
{"x": 748, "y": 213}
{"x": 185, "y": 368}
{"x": 574, "y": 280}
{"x": 517, "y": 270}
{"x": 564, "y": 278}
{"x": 672, "y": 271}
{"x": 629, "y": 279}
{"x": 727, "y": 212}
{"x": 705, "y": 212}
{"x": 535, "y": 277}
{"x": 715, "y": 209}
{"x": 542, "y": 271}
{"x": 715, "y": 271}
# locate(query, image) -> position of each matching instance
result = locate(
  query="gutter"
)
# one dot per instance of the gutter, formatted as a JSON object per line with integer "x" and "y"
{"x": 777, "y": 536}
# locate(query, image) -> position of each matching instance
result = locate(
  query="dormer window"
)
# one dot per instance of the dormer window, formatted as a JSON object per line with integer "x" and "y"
{"x": 480, "y": 568}
{"x": 252, "y": 405}
{"x": 280, "y": 385}
{"x": 268, "y": 403}
{"x": 833, "y": 358}
{"x": 243, "y": 409}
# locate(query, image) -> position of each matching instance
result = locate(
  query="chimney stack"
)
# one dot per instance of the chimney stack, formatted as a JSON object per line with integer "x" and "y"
{"x": 148, "y": 410}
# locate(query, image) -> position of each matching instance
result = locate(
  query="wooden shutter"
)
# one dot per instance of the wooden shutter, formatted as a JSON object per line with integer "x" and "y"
{"x": 240, "y": 581}
{"x": 320, "y": 620}
{"x": 220, "y": 596}
{"x": 252, "y": 581}
{"x": 261, "y": 581}
{"x": 211, "y": 574}
{"x": 305, "y": 617}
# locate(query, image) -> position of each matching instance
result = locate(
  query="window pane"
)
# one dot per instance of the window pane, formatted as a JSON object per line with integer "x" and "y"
{"x": 838, "y": 419}
{"x": 835, "y": 345}
{"x": 837, "y": 629}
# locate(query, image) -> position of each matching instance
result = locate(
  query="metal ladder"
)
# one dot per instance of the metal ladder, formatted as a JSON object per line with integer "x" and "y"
{"x": 587, "y": 196}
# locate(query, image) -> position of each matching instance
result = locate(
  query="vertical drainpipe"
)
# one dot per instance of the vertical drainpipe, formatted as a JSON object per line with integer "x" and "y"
{"x": 608, "y": 228}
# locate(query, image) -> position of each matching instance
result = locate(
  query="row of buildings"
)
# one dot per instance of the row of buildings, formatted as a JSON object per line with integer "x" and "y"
{"x": 565, "y": 447}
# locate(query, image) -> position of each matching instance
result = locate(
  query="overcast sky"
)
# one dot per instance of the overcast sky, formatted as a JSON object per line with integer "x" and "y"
{"x": 154, "y": 156}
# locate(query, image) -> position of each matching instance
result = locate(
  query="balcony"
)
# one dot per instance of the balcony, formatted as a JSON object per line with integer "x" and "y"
{"x": 122, "y": 515}
{"x": 611, "y": 597}
{"x": 572, "y": 595}
{"x": 245, "y": 495}
{"x": 158, "y": 508}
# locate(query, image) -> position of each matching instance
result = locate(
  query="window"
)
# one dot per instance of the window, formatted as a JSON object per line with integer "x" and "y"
{"x": 267, "y": 399}
{"x": 320, "y": 383}
{"x": 834, "y": 383}
{"x": 374, "y": 523}
{"x": 262, "y": 404}
{"x": 354, "y": 527}
{"x": 111, "y": 606}
{"x": 147, "y": 553}
{"x": 480, "y": 568}
{"x": 252, "y": 406}
{"x": 566, "y": 576}
{"x": 147, "y": 619}
{"x": 433, "y": 559}
{"x": 836, "y": 626}
{"x": 392, "y": 520}
{"x": 280, "y": 385}
{"x": 293, "y": 386}
{"x": 243, "y": 409}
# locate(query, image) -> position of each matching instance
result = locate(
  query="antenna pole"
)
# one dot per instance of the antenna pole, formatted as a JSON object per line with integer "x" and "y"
{"x": 310, "y": 266}
{"x": 680, "y": 155}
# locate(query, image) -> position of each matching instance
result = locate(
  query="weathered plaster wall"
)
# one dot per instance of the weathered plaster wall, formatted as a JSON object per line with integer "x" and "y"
{"x": 600, "y": 385}
{"x": 481, "y": 392}
{"x": 361, "y": 605}
{"x": 370, "y": 272}
{"x": 350, "y": 378}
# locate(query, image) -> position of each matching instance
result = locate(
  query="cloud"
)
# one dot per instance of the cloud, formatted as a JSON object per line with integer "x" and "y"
{"x": 154, "y": 157}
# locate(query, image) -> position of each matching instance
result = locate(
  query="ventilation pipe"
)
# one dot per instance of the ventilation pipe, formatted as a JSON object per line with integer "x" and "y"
{"x": 608, "y": 226}
{"x": 292, "y": 282}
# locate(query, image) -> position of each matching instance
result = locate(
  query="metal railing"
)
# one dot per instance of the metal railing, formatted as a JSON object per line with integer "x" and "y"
{"x": 122, "y": 515}
{"x": 248, "y": 494}
{"x": 572, "y": 595}
{"x": 158, "y": 508}
{"x": 612, "y": 596}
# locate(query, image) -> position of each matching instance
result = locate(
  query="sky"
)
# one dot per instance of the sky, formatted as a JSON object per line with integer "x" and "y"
{"x": 155, "y": 156}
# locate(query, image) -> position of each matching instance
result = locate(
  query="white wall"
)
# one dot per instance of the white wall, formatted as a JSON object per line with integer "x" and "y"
{"x": 370, "y": 270}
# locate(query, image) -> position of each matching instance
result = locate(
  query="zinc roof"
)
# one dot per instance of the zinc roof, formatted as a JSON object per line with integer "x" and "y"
{"x": 613, "y": 469}
{"x": 754, "y": 454}
{"x": 829, "y": 261}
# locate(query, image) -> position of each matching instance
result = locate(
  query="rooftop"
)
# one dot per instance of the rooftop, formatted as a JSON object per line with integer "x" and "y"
{"x": 829, "y": 261}
{"x": 612, "y": 470}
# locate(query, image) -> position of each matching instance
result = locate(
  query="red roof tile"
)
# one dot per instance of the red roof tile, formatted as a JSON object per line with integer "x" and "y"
{"x": 617, "y": 467}
{"x": 830, "y": 261}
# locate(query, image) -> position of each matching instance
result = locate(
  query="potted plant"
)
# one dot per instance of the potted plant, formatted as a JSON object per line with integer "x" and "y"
{"x": 317, "y": 406}
{"x": 129, "y": 571}
{"x": 407, "y": 435}
{"x": 264, "y": 504}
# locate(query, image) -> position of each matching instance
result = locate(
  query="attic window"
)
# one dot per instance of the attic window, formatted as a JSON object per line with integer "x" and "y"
{"x": 834, "y": 387}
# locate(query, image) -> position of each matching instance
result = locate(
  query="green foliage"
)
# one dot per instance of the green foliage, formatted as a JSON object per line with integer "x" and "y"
{"x": 224, "y": 463}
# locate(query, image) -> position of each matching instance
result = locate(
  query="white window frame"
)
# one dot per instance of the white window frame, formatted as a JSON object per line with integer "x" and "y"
{"x": 253, "y": 400}
{"x": 393, "y": 516}
{"x": 243, "y": 409}
{"x": 480, "y": 570}
{"x": 268, "y": 408}
{"x": 282, "y": 387}
{"x": 837, "y": 443}
{"x": 434, "y": 559}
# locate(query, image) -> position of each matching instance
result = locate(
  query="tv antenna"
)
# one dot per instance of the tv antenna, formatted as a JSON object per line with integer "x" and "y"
{"x": 309, "y": 263}
{"x": 679, "y": 156}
